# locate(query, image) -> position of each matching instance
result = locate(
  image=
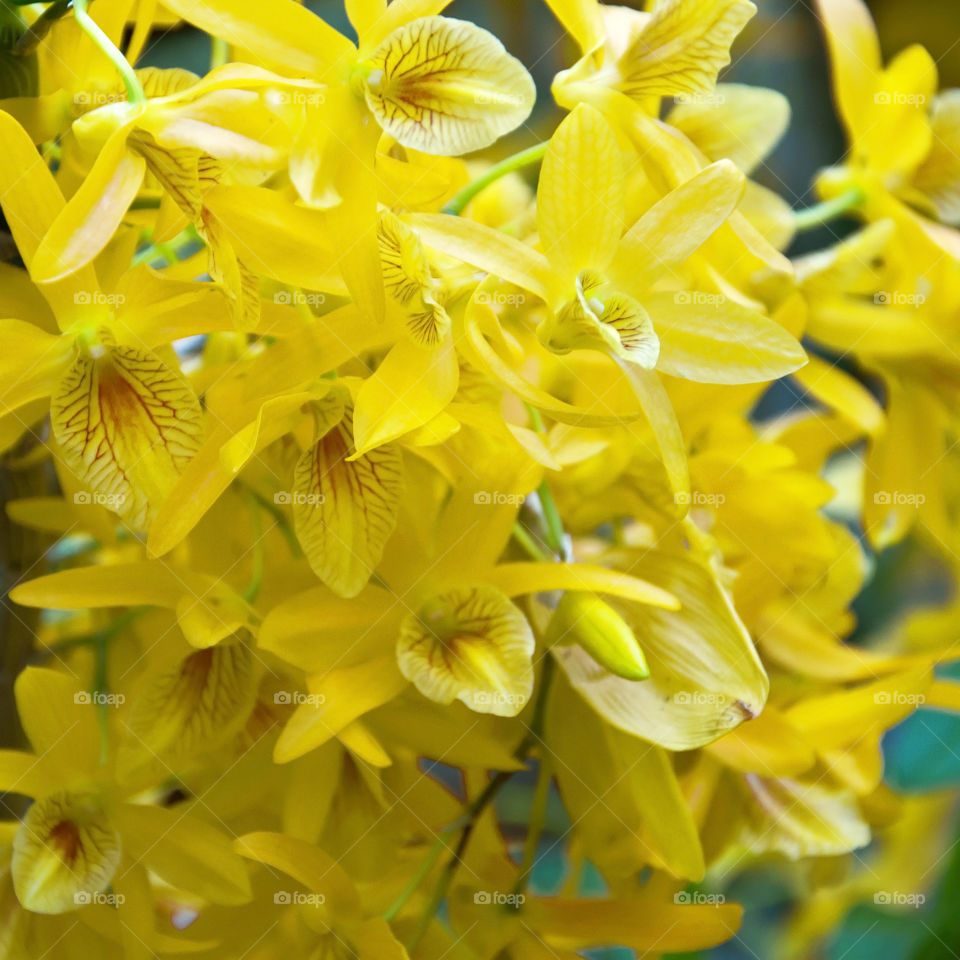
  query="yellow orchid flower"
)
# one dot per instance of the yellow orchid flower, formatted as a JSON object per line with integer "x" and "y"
{"x": 126, "y": 421}
{"x": 82, "y": 833}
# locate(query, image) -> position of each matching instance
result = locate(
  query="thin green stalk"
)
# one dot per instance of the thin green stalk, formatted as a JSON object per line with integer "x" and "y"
{"x": 828, "y": 210}
{"x": 525, "y": 539}
{"x": 524, "y": 158}
{"x": 219, "y": 52}
{"x": 89, "y": 26}
{"x": 41, "y": 26}
{"x": 482, "y": 801}
{"x": 538, "y": 816}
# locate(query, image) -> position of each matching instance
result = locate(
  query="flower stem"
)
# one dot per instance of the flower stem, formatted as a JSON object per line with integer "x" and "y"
{"x": 538, "y": 816}
{"x": 89, "y": 26}
{"x": 524, "y": 158}
{"x": 828, "y": 210}
{"x": 256, "y": 576}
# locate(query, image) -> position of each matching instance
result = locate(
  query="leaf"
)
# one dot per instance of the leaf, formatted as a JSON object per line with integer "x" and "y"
{"x": 345, "y": 509}
{"x": 445, "y": 86}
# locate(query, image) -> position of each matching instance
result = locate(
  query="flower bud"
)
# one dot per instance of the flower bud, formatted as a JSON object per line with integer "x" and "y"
{"x": 585, "y": 619}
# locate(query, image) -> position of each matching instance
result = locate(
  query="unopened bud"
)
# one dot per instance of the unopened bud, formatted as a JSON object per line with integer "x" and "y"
{"x": 585, "y": 619}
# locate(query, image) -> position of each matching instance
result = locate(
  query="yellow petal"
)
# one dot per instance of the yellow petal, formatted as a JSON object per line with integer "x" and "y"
{"x": 705, "y": 676}
{"x": 738, "y": 123}
{"x": 345, "y": 510}
{"x": 491, "y": 250}
{"x": 190, "y": 705}
{"x": 710, "y": 339}
{"x": 65, "y": 851}
{"x": 854, "y": 58}
{"x": 396, "y": 14}
{"x": 185, "y": 852}
{"x": 842, "y": 392}
{"x": 287, "y": 36}
{"x": 405, "y": 269}
{"x": 411, "y": 386}
{"x": 336, "y": 700}
{"x": 675, "y": 227}
{"x": 682, "y": 48}
{"x": 581, "y": 197}
{"x": 445, "y": 86}
{"x": 470, "y": 644}
{"x": 581, "y": 19}
{"x": 519, "y": 578}
{"x": 769, "y": 745}
{"x": 127, "y": 426}
{"x": 939, "y": 175}
{"x": 32, "y": 360}
{"x": 93, "y": 214}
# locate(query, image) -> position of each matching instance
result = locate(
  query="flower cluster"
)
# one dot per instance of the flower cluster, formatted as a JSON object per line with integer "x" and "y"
{"x": 382, "y": 477}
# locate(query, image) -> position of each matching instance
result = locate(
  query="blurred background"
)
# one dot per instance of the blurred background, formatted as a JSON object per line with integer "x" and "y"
{"x": 781, "y": 48}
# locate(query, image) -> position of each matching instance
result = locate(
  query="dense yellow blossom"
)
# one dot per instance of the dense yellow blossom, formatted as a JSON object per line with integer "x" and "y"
{"x": 384, "y": 477}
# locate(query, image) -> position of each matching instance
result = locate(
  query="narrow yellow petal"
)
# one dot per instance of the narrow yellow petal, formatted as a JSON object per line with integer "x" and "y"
{"x": 582, "y": 194}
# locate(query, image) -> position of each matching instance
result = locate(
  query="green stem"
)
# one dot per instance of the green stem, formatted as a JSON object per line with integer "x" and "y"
{"x": 828, "y": 210}
{"x": 524, "y": 158}
{"x": 89, "y": 26}
{"x": 525, "y": 539}
{"x": 481, "y": 802}
{"x": 41, "y": 26}
{"x": 219, "y": 52}
{"x": 538, "y": 816}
